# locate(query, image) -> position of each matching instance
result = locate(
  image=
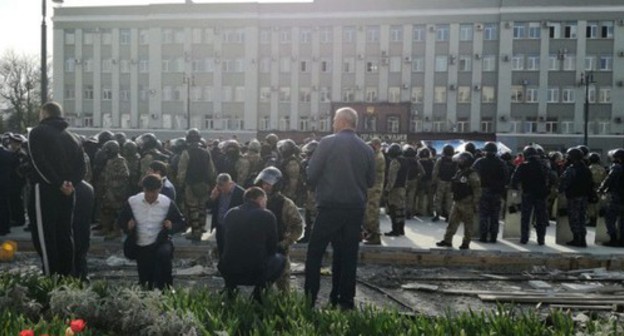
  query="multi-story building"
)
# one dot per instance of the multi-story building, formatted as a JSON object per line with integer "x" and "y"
{"x": 516, "y": 68}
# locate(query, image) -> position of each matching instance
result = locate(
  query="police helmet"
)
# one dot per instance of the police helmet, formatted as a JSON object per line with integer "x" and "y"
{"x": 309, "y": 148}
{"x": 254, "y": 146}
{"x": 147, "y": 141}
{"x": 409, "y": 151}
{"x": 470, "y": 147}
{"x": 506, "y": 156}
{"x": 271, "y": 139}
{"x": 584, "y": 149}
{"x": 111, "y": 148}
{"x": 193, "y": 136}
{"x": 178, "y": 145}
{"x": 448, "y": 150}
{"x": 287, "y": 148}
{"x": 231, "y": 147}
{"x": 424, "y": 153}
{"x": 121, "y": 138}
{"x": 129, "y": 149}
{"x": 16, "y": 137}
{"x": 394, "y": 150}
{"x": 575, "y": 154}
{"x": 617, "y": 154}
{"x": 490, "y": 147}
{"x": 529, "y": 152}
{"x": 555, "y": 156}
{"x": 463, "y": 159}
{"x": 594, "y": 158}
{"x": 104, "y": 136}
{"x": 269, "y": 175}
{"x": 539, "y": 149}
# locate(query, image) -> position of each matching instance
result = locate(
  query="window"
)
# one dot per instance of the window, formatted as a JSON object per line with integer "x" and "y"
{"x": 417, "y": 95}
{"x": 465, "y": 32}
{"x": 533, "y": 62}
{"x": 208, "y": 93}
{"x": 265, "y": 36}
{"x": 284, "y": 36}
{"x": 606, "y": 29}
{"x": 166, "y": 65}
{"x": 326, "y": 35}
{"x": 490, "y": 32}
{"x": 591, "y": 31}
{"x": 285, "y": 64}
{"x": 465, "y": 63}
{"x": 234, "y": 36}
{"x": 553, "y": 95}
{"x": 124, "y": 66}
{"x": 198, "y": 65}
{"x": 70, "y": 37}
{"x": 519, "y": 30}
{"x": 604, "y": 127}
{"x": 393, "y": 124}
{"x": 394, "y": 94}
{"x": 530, "y": 126}
{"x": 305, "y": 36}
{"x": 107, "y": 65}
{"x": 517, "y": 62}
{"x": 463, "y": 94}
{"x": 143, "y": 36}
{"x": 372, "y": 34}
{"x": 107, "y": 37}
{"x": 303, "y": 124}
{"x": 590, "y": 63}
{"x": 488, "y": 63}
{"x": 439, "y": 94}
{"x": 418, "y": 34}
{"x": 371, "y": 94}
{"x": 591, "y": 94}
{"x": 604, "y": 96}
{"x": 488, "y": 94}
{"x": 88, "y": 38}
{"x": 396, "y": 34}
{"x": 517, "y": 94}
{"x": 442, "y": 33}
{"x": 348, "y": 35}
{"x": 284, "y": 94}
{"x": 567, "y": 127}
{"x": 264, "y": 123}
{"x": 70, "y": 92}
{"x": 348, "y": 95}
{"x": 107, "y": 94}
{"x": 415, "y": 125}
{"x": 265, "y": 65}
{"x": 196, "y": 93}
{"x": 438, "y": 126}
{"x": 441, "y": 63}
{"x": 371, "y": 66}
{"x": 462, "y": 126}
{"x": 606, "y": 63}
{"x": 569, "y": 62}
{"x": 124, "y": 36}
{"x": 88, "y": 92}
{"x": 180, "y": 91}
{"x": 227, "y": 94}
{"x": 70, "y": 64}
{"x": 325, "y": 94}
{"x": 196, "y": 35}
{"x": 304, "y": 95}
{"x": 167, "y": 35}
{"x": 88, "y": 65}
{"x": 568, "y": 95}
{"x": 209, "y": 64}
{"x": 418, "y": 64}
{"x": 326, "y": 66}
{"x": 487, "y": 126}
{"x": 535, "y": 30}
{"x": 284, "y": 123}
{"x": 370, "y": 123}
{"x": 143, "y": 66}
{"x": 88, "y": 121}
{"x": 143, "y": 93}
{"x": 348, "y": 65}
{"x": 552, "y": 126}
{"x": 554, "y": 30}
{"x": 304, "y": 66}
{"x": 531, "y": 95}
{"x": 553, "y": 63}
{"x": 395, "y": 64}
{"x": 570, "y": 30}
{"x": 324, "y": 124}
{"x": 178, "y": 36}
{"x": 239, "y": 94}
{"x": 265, "y": 94}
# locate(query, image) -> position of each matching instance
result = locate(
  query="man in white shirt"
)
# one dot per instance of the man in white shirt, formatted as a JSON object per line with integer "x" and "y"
{"x": 151, "y": 217}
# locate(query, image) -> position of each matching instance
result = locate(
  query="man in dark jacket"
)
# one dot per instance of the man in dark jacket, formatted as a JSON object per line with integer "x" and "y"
{"x": 225, "y": 196}
{"x": 250, "y": 245}
{"x": 577, "y": 184}
{"x": 342, "y": 169}
{"x": 59, "y": 165}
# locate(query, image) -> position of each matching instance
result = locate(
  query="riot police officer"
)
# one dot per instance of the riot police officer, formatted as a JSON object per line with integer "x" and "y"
{"x": 614, "y": 186}
{"x": 396, "y": 181}
{"x": 115, "y": 176}
{"x": 576, "y": 183}
{"x": 443, "y": 171}
{"x": 309, "y": 202}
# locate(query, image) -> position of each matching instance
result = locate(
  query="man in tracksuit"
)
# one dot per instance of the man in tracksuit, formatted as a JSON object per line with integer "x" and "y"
{"x": 59, "y": 165}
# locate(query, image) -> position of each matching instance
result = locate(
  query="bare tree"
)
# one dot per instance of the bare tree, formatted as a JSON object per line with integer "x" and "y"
{"x": 19, "y": 76}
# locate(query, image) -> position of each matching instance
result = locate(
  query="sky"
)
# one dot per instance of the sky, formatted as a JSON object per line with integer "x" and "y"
{"x": 20, "y": 20}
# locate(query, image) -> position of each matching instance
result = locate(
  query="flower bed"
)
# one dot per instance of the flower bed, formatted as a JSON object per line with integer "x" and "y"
{"x": 52, "y": 306}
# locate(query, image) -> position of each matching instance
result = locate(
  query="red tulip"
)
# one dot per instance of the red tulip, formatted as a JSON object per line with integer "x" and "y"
{"x": 27, "y": 332}
{"x": 77, "y": 325}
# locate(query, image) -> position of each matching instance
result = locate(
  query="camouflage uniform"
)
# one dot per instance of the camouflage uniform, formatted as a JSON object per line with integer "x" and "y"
{"x": 291, "y": 168}
{"x": 371, "y": 216}
{"x": 147, "y": 158}
{"x": 115, "y": 176}
{"x": 196, "y": 173}
{"x": 255, "y": 166}
{"x": 442, "y": 179}
{"x": 598, "y": 175}
{"x": 88, "y": 170}
{"x": 414, "y": 175}
{"x": 395, "y": 188}
{"x": 289, "y": 229}
{"x": 242, "y": 169}
{"x": 424, "y": 192}
{"x": 466, "y": 187}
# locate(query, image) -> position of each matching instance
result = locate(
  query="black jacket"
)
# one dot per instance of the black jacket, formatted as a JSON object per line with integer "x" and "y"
{"x": 250, "y": 237}
{"x": 236, "y": 200}
{"x": 56, "y": 153}
{"x": 534, "y": 178}
{"x": 493, "y": 173}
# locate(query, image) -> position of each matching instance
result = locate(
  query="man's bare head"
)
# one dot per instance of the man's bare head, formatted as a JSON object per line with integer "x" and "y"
{"x": 345, "y": 118}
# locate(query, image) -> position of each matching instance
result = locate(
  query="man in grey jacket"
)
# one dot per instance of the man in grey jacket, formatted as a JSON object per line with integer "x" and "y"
{"x": 342, "y": 169}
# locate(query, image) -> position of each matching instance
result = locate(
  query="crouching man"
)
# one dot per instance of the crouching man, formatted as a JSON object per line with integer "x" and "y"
{"x": 151, "y": 218}
{"x": 250, "y": 240}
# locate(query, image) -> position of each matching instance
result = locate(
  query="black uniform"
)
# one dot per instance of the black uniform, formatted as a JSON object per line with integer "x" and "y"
{"x": 534, "y": 177}
{"x": 493, "y": 174}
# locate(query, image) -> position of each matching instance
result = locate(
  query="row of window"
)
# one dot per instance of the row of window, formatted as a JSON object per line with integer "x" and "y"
{"x": 522, "y": 94}
{"x": 568, "y": 30}
{"x": 565, "y": 62}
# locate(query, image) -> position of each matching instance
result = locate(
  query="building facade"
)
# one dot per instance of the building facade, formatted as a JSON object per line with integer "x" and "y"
{"x": 517, "y": 68}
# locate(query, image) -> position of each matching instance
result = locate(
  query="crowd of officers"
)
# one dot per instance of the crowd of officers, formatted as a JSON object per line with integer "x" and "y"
{"x": 411, "y": 180}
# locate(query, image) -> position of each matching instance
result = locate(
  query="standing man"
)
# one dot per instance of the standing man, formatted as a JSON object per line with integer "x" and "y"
{"x": 342, "y": 169}
{"x": 493, "y": 174}
{"x": 395, "y": 189}
{"x": 226, "y": 195}
{"x": 598, "y": 175}
{"x": 116, "y": 176}
{"x": 59, "y": 164}
{"x": 614, "y": 185}
{"x": 577, "y": 184}
{"x": 443, "y": 172}
{"x": 371, "y": 217}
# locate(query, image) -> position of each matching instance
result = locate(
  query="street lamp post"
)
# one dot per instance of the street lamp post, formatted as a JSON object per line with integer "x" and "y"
{"x": 44, "y": 51}
{"x": 188, "y": 80}
{"x": 587, "y": 79}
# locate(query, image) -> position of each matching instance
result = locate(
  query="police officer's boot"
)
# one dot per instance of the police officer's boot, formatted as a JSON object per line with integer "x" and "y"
{"x": 401, "y": 228}
{"x": 394, "y": 232}
{"x": 373, "y": 239}
{"x": 578, "y": 241}
{"x": 613, "y": 242}
{"x": 435, "y": 218}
